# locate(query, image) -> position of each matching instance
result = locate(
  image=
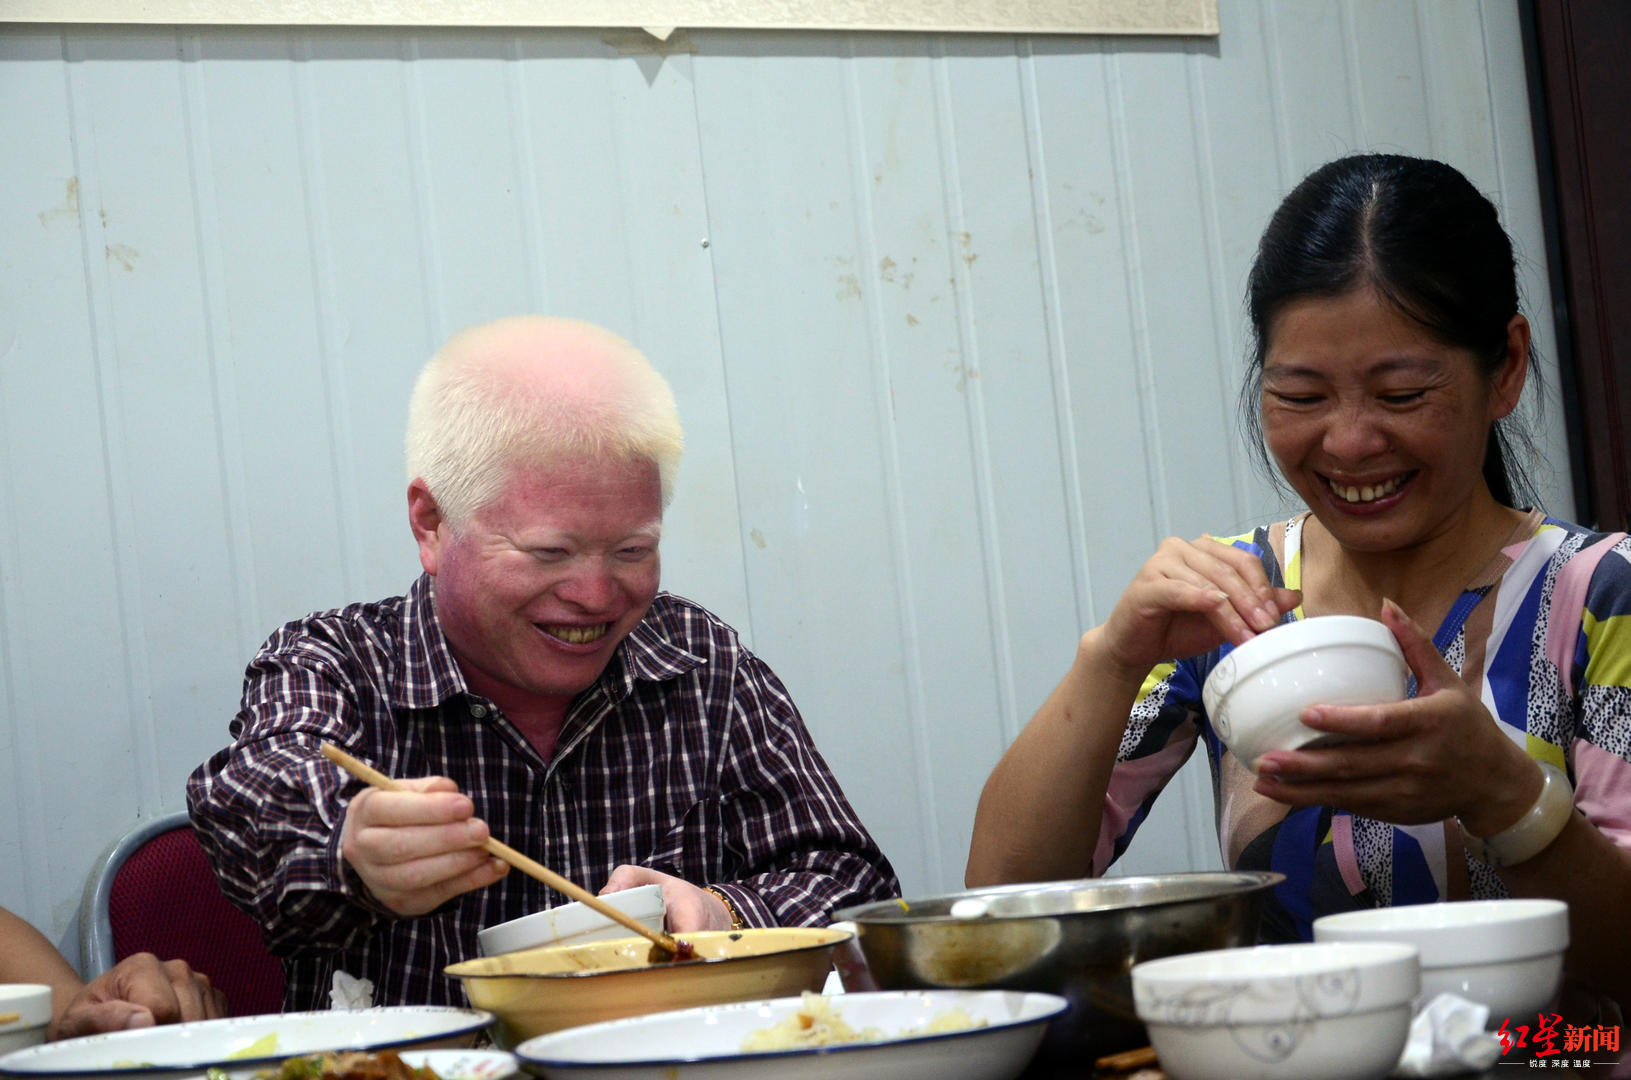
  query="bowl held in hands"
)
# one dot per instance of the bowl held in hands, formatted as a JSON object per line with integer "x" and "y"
{"x": 1256, "y": 694}
{"x": 574, "y": 923}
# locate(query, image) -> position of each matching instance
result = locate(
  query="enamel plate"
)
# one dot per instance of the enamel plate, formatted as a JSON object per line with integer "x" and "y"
{"x": 243, "y": 1045}
{"x": 706, "y": 1043}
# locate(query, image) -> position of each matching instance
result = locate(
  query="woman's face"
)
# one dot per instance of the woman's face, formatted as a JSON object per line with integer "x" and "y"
{"x": 1378, "y": 424}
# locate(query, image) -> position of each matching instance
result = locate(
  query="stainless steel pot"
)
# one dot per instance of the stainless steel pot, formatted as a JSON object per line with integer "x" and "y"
{"x": 1075, "y": 938}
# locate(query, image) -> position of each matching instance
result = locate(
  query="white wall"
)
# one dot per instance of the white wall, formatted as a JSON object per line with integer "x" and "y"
{"x": 955, "y": 324}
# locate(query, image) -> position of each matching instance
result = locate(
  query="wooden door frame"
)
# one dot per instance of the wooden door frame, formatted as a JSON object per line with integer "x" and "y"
{"x": 1580, "y": 98}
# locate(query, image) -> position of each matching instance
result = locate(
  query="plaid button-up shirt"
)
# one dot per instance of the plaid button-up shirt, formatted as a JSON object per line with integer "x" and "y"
{"x": 686, "y": 756}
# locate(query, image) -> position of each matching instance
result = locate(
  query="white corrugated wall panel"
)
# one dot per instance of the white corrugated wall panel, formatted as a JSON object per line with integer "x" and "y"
{"x": 955, "y": 324}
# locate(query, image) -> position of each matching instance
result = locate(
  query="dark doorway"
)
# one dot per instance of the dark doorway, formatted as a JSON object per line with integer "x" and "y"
{"x": 1579, "y": 55}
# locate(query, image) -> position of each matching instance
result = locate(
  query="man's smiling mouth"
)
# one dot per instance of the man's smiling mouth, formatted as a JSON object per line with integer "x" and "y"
{"x": 576, "y": 635}
{"x": 1364, "y": 493}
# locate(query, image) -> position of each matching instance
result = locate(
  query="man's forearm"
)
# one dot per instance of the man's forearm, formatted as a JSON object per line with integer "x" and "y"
{"x": 807, "y": 895}
{"x": 27, "y": 956}
{"x": 278, "y": 859}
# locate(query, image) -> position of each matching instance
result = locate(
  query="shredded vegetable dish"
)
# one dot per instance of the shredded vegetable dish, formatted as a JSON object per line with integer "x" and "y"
{"x": 818, "y": 1023}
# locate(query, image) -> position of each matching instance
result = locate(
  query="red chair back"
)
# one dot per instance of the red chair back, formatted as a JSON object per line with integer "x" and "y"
{"x": 165, "y": 900}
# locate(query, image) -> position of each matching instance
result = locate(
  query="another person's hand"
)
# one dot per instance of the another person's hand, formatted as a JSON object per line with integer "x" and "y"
{"x": 689, "y": 907}
{"x": 417, "y": 849}
{"x": 140, "y": 991}
{"x": 1436, "y": 756}
{"x": 1188, "y": 598}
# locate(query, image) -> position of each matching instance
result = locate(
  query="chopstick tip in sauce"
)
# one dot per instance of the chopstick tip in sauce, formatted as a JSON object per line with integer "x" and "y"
{"x": 683, "y": 950}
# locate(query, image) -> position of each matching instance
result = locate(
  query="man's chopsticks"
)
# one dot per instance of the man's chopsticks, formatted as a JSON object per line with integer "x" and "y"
{"x": 370, "y": 775}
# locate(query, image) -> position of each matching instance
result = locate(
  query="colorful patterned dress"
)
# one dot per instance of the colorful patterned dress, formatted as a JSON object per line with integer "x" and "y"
{"x": 1543, "y": 634}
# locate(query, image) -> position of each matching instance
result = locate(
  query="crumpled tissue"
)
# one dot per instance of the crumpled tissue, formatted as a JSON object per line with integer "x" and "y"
{"x": 350, "y": 992}
{"x": 1447, "y": 1037}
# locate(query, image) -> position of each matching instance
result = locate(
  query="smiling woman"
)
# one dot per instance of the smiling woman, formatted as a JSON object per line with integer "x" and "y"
{"x": 1365, "y": 412}
{"x": 1390, "y": 356}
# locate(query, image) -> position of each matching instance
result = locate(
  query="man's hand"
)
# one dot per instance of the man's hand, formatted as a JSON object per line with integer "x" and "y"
{"x": 689, "y": 907}
{"x": 140, "y": 992}
{"x": 418, "y": 849}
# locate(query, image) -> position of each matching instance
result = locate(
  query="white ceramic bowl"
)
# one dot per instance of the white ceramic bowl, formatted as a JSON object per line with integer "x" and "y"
{"x": 573, "y": 924}
{"x": 1279, "y": 1012}
{"x": 1507, "y": 954}
{"x": 32, "y": 1003}
{"x": 1256, "y": 694}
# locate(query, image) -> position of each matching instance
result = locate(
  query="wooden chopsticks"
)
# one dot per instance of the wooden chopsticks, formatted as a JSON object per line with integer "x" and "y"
{"x": 368, "y": 774}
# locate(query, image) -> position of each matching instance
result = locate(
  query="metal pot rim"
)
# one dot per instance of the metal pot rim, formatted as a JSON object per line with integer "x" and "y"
{"x": 1229, "y": 883}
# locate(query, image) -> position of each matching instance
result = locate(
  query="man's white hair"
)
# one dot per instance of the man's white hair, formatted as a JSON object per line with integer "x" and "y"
{"x": 530, "y": 390}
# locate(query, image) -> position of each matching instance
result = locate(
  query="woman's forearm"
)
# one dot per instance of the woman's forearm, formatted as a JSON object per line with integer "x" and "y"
{"x": 1592, "y": 875}
{"x": 1038, "y": 816}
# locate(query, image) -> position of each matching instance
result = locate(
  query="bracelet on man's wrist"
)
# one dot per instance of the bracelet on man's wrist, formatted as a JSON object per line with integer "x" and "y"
{"x": 737, "y": 922}
{"x": 1532, "y": 833}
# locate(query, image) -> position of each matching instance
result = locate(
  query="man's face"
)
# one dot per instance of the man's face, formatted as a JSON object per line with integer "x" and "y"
{"x": 537, "y": 589}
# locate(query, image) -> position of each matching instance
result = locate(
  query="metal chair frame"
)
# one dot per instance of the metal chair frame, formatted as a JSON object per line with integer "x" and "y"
{"x": 96, "y": 950}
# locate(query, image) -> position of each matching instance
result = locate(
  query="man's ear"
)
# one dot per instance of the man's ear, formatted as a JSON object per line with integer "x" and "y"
{"x": 428, "y": 525}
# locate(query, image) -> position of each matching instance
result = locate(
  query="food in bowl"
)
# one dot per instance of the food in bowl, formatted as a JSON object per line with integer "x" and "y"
{"x": 1506, "y": 954}
{"x": 1256, "y": 694}
{"x": 819, "y": 1021}
{"x": 707, "y": 1041}
{"x": 344, "y": 1065}
{"x": 574, "y": 923}
{"x": 243, "y": 1045}
{"x": 540, "y": 990}
{"x": 1280, "y": 1012}
{"x": 1078, "y": 939}
{"x": 816, "y": 1022}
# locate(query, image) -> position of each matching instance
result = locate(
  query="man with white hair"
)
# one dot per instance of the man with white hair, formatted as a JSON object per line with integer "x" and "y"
{"x": 534, "y": 685}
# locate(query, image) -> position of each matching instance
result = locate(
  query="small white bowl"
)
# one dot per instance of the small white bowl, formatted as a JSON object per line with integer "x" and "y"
{"x": 32, "y": 1003}
{"x": 1507, "y": 954}
{"x": 574, "y": 924}
{"x": 1279, "y": 1012}
{"x": 1256, "y": 694}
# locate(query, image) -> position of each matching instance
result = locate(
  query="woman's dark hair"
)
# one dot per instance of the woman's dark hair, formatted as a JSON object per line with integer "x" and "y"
{"x": 1422, "y": 236}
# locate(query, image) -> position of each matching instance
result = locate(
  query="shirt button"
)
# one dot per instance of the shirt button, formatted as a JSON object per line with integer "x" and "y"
{"x": 478, "y": 711}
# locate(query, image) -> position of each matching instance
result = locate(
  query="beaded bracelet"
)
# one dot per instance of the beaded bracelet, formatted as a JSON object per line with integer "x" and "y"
{"x": 737, "y": 922}
{"x": 1532, "y": 833}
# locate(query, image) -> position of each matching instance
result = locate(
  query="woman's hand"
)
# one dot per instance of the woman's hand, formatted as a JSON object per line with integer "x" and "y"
{"x": 1438, "y": 755}
{"x": 1190, "y": 597}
